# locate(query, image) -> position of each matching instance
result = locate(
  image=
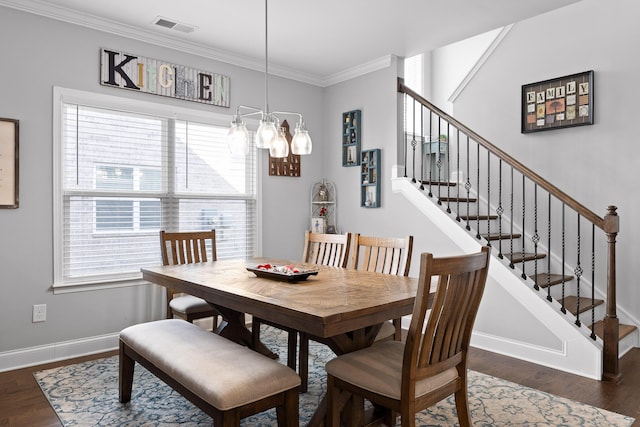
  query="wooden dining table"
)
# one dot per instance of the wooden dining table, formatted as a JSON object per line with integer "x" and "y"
{"x": 344, "y": 308}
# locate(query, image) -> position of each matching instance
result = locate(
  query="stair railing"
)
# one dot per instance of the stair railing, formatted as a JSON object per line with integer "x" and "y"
{"x": 487, "y": 174}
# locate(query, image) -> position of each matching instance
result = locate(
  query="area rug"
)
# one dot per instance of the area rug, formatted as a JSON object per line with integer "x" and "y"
{"x": 86, "y": 394}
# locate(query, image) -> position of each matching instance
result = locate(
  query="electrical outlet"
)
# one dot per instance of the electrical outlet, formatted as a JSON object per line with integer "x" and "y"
{"x": 39, "y": 313}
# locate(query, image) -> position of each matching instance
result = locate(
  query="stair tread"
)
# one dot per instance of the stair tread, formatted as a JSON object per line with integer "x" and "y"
{"x": 571, "y": 303}
{"x": 503, "y": 236}
{"x": 545, "y": 279}
{"x": 623, "y": 330}
{"x": 528, "y": 256}
{"x": 475, "y": 217}
{"x": 439, "y": 183}
{"x": 458, "y": 199}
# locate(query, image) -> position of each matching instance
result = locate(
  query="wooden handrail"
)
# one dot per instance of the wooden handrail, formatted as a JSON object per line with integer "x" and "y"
{"x": 559, "y": 194}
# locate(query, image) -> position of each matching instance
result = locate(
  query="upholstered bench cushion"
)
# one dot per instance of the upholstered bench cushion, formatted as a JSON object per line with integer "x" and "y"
{"x": 379, "y": 369}
{"x": 189, "y": 304}
{"x": 223, "y": 373}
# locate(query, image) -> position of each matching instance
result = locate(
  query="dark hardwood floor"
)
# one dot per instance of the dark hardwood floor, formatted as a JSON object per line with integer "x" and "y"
{"x": 23, "y": 404}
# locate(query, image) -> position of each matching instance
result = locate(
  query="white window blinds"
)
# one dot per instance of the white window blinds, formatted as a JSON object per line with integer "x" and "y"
{"x": 126, "y": 175}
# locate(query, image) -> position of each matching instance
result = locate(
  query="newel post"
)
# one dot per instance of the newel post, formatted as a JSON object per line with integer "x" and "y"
{"x": 610, "y": 363}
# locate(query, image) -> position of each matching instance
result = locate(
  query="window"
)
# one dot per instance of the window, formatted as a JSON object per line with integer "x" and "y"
{"x": 413, "y": 77}
{"x": 125, "y": 170}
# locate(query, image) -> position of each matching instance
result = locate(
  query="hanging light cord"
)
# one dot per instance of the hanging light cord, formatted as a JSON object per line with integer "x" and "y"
{"x": 266, "y": 59}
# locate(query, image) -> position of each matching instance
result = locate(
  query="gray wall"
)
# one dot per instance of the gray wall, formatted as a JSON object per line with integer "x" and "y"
{"x": 375, "y": 95}
{"x": 39, "y": 53}
{"x": 596, "y": 164}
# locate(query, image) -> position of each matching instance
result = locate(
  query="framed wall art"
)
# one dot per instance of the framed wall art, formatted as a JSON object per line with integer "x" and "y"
{"x": 558, "y": 103}
{"x": 8, "y": 163}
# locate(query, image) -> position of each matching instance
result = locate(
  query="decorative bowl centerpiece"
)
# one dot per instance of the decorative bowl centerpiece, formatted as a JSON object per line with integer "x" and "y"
{"x": 287, "y": 273}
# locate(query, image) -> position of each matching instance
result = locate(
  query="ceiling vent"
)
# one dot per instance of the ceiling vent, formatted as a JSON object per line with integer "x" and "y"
{"x": 172, "y": 25}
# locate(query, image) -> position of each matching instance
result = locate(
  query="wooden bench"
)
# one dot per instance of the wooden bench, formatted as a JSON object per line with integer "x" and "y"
{"x": 224, "y": 379}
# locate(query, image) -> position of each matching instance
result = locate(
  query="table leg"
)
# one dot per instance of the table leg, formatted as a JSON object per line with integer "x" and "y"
{"x": 235, "y": 329}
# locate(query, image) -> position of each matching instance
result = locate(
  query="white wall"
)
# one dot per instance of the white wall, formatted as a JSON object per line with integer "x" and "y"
{"x": 594, "y": 164}
{"x": 39, "y": 53}
{"x": 452, "y": 63}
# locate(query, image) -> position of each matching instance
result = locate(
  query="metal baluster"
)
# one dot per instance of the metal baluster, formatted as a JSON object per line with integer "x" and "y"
{"x": 593, "y": 280}
{"x": 438, "y": 163}
{"x": 500, "y": 209}
{"x": 535, "y": 238}
{"x": 422, "y": 147}
{"x": 406, "y": 136}
{"x": 549, "y": 254}
{"x": 563, "y": 309}
{"x": 458, "y": 178}
{"x": 488, "y": 196}
{"x": 413, "y": 141}
{"x": 446, "y": 178}
{"x": 430, "y": 153}
{"x": 511, "y": 225}
{"x": 478, "y": 192}
{"x": 467, "y": 185}
{"x": 524, "y": 210}
{"x": 578, "y": 273}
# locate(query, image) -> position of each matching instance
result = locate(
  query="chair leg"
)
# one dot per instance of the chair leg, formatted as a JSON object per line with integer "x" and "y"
{"x": 390, "y": 418}
{"x": 230, "y": 418}
{"x": 462, "y": 402}
{"x": 355, "y": 410}
{"x": 332, "y": 418}
{"x": 125, "y": 375}
{"x": 292, "y": 348}
{"x": 289, "y": 414}
{"x": 303, "y": 362}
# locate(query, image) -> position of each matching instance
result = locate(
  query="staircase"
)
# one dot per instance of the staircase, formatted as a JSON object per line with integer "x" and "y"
{"x": 553, "y": 243}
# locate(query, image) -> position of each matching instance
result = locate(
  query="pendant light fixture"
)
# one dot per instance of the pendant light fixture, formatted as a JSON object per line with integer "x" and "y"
{"x": 270, "y": 135}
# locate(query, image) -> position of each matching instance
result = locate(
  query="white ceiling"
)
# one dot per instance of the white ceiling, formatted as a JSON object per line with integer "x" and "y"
{"x": 311, "y": 41}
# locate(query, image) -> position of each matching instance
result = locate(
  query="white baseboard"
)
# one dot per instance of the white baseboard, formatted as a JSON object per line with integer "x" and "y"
{"x": 39, "y": 355}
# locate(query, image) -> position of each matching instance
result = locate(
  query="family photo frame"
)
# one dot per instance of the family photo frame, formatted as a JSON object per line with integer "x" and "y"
{"x": 9, "y": 137}
{"x": 558, "y": 103}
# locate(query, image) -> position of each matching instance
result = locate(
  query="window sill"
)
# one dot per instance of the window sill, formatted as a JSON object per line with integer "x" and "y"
{"x": 67, "y": 288}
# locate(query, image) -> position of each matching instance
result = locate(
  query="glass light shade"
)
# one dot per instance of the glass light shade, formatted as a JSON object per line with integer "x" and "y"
{"x": 280, "y": 147}
{"x": 267, "y": 133}
{"x": 301, "y": 142}
{"x": 238, "y": 139}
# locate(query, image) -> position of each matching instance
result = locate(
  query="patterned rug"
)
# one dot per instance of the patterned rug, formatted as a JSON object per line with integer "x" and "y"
{"x": 86, "y": 394}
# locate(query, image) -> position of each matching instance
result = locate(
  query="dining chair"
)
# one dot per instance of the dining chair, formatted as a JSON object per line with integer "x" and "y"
{"x": 326, "y": 249}
{"x": 386, "y": 255}
{"x": 187, "y": 248}
{"x": 408, "y": 377}
{"x": 322, "y": 249}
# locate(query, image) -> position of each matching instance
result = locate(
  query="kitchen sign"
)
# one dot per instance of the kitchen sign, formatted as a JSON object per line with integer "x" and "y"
{"x": 126, "y": 71}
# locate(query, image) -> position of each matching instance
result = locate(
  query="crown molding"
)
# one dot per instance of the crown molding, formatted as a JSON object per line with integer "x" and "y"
{"x": 105, "y": 25}
{"x": 360, "y": 70}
